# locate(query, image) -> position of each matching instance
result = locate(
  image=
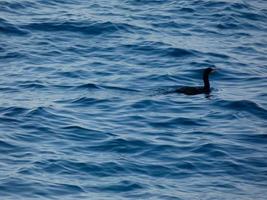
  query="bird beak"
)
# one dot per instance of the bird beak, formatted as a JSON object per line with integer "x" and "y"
{"x": 213, "y": 70}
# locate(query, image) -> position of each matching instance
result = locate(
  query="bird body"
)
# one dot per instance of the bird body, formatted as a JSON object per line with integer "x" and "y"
{"x": 191, "y": 90}
{"x": 205, "y": 89}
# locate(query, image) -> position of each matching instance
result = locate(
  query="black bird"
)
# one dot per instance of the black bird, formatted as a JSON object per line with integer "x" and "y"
{"x": 198, "y": 90}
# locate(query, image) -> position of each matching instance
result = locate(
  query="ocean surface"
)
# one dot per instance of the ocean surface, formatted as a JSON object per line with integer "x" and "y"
{"x": 84, "y": 112}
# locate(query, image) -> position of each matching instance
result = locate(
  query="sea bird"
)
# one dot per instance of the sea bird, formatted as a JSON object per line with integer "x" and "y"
{"x": 199, "y": 89}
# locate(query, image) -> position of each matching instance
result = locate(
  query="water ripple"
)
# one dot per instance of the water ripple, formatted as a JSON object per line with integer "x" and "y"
{"x": 89, "y": 110}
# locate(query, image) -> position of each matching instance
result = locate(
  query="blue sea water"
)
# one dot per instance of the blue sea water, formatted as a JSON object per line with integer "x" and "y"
{"x": 84, "y": 115}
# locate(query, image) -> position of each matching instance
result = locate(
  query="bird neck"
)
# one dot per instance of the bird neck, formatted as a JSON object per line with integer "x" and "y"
{"x": 206, "y": 82}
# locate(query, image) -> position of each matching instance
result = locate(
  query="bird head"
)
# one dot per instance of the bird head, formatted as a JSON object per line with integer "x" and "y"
{"x": 209, "y": 70}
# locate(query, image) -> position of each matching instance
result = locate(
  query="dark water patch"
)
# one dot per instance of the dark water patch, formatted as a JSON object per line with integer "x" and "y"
{"x": 10, "y": 120}
{"x": 122, "y": 186}
{"x": 119, "y": 145}
{"x": 103, "y": 88}
{"x": 86, "y": 28}
{"x": 87, "y": 101}
{"x": 12, "y": 148}
{"x": 39, "y": 111}
{"x": 145, "y": 104}
{"x": 11, "y": 29}
{"x": 150, "y": 48}
{"x": 2, "y": 49}
{"x": 88, "y": 86}
{"x": 40, "y": 189}
{"x": 218, "y": 55}
{"x": 157, "y": 171}
{"x": 13, "y": 111}
{"x": 37, "y": 133}
{"x": 240, "y": 5}
{"x": 40, "y": 69}
{"x": 253, "y": 16}
{"x": 147, "y": 47}
{"x": 9, "y": 89}
{"x": 253, "y": 139}
{"x": 178, "y": 52}
{"x": 78, "y": 133}
{"x": 210, "y": 149}
{"x": 148, "y": 2}
{"x": 216, "y": 4}
{"x": 180, "y": 121}
{"x": 119, "y": 88}
{"x": 172, "y": 24}
{"x": 31, "y": 85}
{"x": 63, "y": 87}
{"x": 12, "y": 55}
{"x": 62, "y": 189}
{"x": 6, "y": 146}
{"x": 187, "y": 10}
{"x": 15, "y": 5}
{"x": 161, "y": 78}
{"x": 245, "y": 50}
{"x": 255, "y": 162}
{"x": 227, "y": 25}
{"x": 18, "y": 186}
{"x": 69, "y": 74}
{"x": 204, "y": 31}
{"x": 64, "y": 167}
{"x": 45, "y": 116}
{"x": 245, "y": 106}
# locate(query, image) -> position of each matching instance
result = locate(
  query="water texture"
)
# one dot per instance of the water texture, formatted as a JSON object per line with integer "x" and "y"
{"x": 84, "y": 115}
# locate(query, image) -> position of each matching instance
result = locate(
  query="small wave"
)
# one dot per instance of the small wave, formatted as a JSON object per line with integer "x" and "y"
{"x": 79, "y": 133}
{"x": 47, "y": 115}
{"x": 255, "y": 138}
{"x": 13, "y": 111}
{"x": 228, "y": 25}
{"x": 32, "y": 86}
{"x": 218, "y": 55}
{"x": 119, "y": 145}
{"x": 252, "y": 16}
{"x": 12, "y": 55}
{"x": 86, "y": 28}
{"x": 69, "y": 74}
{"x": 103, "y": 169}
{"x": 9, "y": 120}
{"x": 88, "y": 86}
{"x": 9, "y": 89}
{"x": 120, "y": 88}
{"x": 187, "y": 10}
{"x": 150, "y": 47}
{"x": 180, "y": 121}
{"x": 172, "y": 24}
{"x": 122, "y": 186}
{"x": 38, "y": 111}
{"x": 91, "y": 86}
{"x": 86, "y": 101}
{"x": 6, "y": 146}
{"x": 11, "y": 29}
{"x": 144, "y": 104}
{"x": 246, "y": 106}
{"x": 210, "y": 150}
{"x": 216, "y": 4}
{"x": 179, "y": 52}
{"x": 16, "y": 5}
